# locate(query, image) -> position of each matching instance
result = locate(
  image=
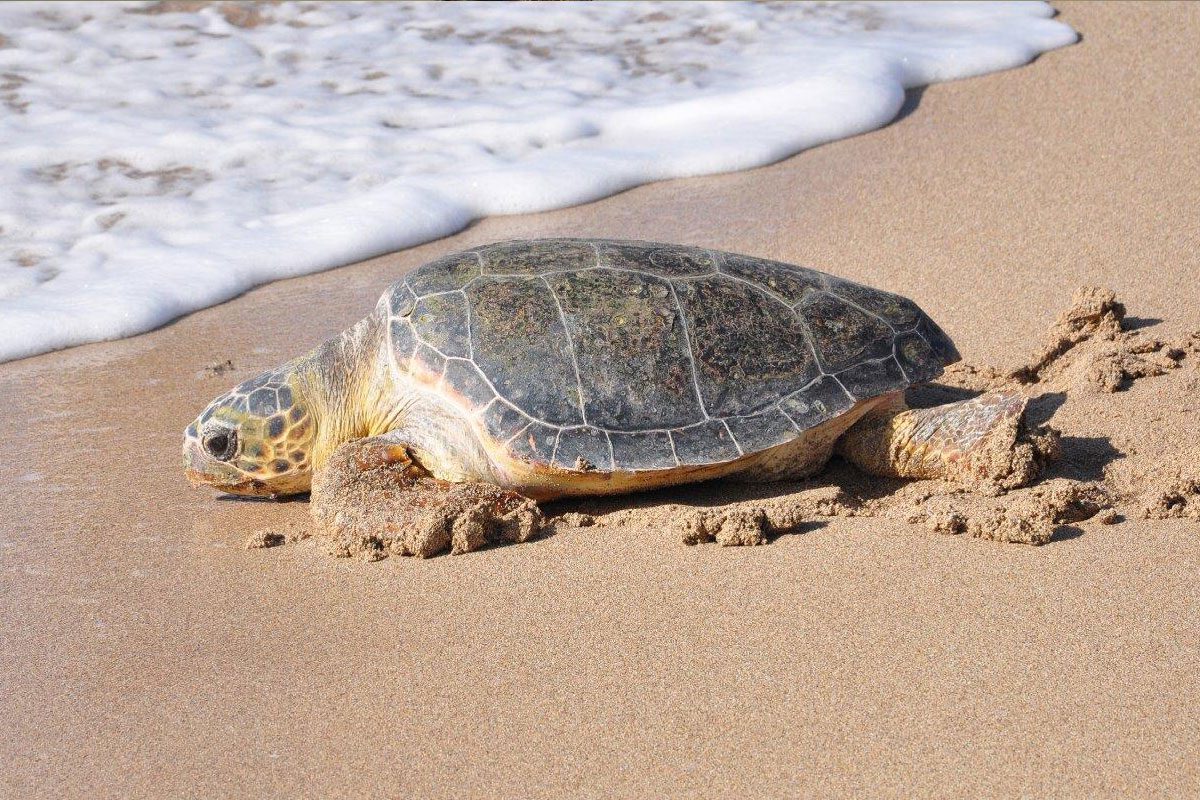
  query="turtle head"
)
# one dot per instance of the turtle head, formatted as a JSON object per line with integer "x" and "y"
{"x": 256, "y": 439}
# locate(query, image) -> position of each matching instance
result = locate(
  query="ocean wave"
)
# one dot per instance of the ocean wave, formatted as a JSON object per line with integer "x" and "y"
{"x": 162, "y": 158}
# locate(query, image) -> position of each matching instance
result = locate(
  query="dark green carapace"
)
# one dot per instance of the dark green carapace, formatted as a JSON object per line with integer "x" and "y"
{"x": 637, "y": 356}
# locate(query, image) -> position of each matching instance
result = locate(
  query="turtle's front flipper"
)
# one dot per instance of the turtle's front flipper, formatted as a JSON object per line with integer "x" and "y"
{"x": 372, "y": 499}
{"x": 981, "y": 443}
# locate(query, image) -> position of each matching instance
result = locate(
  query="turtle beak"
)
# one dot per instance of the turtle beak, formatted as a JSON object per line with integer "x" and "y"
{"x": 191, "y": 461}
{"x": 201, "y": 470}
{"x": 196, "y": 465}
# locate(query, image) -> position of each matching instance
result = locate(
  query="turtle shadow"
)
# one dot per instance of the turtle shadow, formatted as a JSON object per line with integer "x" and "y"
{"x": 285, "y": 498}
{"x": 723, "y": 493}
{"x": 1043, "y": 407}
{"x": 927, "y": 395}
{"x": 1084, "y": 458}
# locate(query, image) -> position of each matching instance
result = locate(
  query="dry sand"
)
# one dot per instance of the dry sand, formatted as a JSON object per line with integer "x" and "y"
{"x": 146, "y": 652}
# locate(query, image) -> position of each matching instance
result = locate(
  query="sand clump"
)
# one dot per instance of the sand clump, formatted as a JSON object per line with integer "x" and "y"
{"x": 1174, "y": 497}
{"x": 372, "y": 501}
{"x": 274, "y": 537}
{"x": 757, "y": 523}
{"x": 1009, "y": 459}
{"x": 1113, "y": 357}
{"x": 216, "y": 369}
{"x": 1030, "y": 516}
{"x": 1088, "y": 349}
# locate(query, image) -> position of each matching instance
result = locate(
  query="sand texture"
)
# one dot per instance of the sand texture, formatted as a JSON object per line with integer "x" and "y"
{"x": 158, "y": 641}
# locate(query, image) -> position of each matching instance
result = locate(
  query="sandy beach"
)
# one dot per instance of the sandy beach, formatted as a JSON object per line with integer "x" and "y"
{"x": 146, "y": 652}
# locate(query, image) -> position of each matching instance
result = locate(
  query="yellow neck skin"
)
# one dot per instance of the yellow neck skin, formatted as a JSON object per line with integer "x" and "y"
{"x": 347, "y": 383}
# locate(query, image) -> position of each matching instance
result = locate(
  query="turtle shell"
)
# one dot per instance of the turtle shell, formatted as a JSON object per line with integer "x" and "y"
{"x": 619, "y": 355}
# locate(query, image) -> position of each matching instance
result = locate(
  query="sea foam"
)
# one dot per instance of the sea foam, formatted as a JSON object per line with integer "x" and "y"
{"x": 156, "y": 162}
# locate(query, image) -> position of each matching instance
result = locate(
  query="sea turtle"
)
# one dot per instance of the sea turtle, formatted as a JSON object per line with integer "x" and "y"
{"x": 539, "y": 369}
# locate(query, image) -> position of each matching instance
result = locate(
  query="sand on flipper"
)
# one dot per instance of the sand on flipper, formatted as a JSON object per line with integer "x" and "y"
{"x": 1006, "y": 451}
{"x": 371, "y": 502}
{"x": 1008, "y": 459}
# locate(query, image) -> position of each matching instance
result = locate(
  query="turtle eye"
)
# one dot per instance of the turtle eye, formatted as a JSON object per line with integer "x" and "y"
{"x": 220, "y": 444}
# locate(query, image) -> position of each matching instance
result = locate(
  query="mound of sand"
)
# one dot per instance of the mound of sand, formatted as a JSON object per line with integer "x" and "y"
{"x": 1089, "y": 349}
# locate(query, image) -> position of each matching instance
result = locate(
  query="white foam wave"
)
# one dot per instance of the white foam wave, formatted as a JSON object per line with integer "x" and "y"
{"x": 157, "y": 163}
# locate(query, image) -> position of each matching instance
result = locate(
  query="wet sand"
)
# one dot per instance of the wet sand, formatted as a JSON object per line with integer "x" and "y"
{"x": 144, "y": 652}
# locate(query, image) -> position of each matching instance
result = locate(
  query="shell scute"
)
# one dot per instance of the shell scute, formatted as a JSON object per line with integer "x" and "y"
{"x": 403, "y": 340}
{"x": 822, "y": 400}
{"x": 401, "y": 300}
{"x": 665, "y": 260}
{"x": 642, "y": 450}
{"x": 749, "y": 349}
{"x": 793, "y": 284}
{"x": 503, "y": 422}
{"x": 630, "y": 348}
{"x": 584, "y": 449}
{"x": 872, "y": 378}
{"x": 706, "y": 443}
{"x": 519, "y": 342}
{"x": 945, "y": 350}
{"x": 899, "y": 312}
{"x": 440, "y": 320}
{"x": 430, "y": 360}
{"x": 535, "y": 443}
{"x": 465, "y": 378}
{"x": 443, "y": 275}
{"x": 536, "y": 257}
{"x": 842, "y": 334}
{"x": 917, "y": 357}
{"x": 768, "y": 429}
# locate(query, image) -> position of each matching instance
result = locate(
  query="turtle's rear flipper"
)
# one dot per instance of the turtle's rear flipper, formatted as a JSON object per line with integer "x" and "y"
{"x": 981, "y": 443}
